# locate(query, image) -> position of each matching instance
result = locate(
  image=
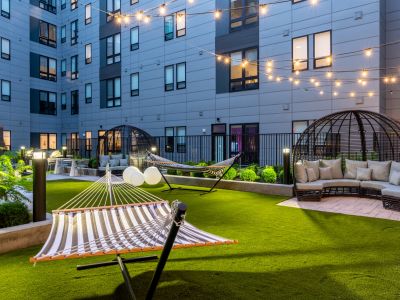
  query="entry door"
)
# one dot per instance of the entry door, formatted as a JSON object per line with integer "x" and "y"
{"x": 245, "y": 139}
{"x": 218, "y": 142}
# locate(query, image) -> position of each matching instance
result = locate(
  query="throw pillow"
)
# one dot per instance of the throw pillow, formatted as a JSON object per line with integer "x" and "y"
{"x": 314, "y": 165}
{"x": 300, "y": 173}
{"x": 380, "y": 170}
{"x": 351, "y": 168}
{"x": 325, "y": 173}
{"x": 394, "y": 178}
{"x": 364, "y": 174}
{"x": 336, "y": 165}
{"x": 395, "y": 166}
{"x": 123, "y": 162}
{"x": 103, "y": 163}
{"x": 116, "y": 156}
{"x": 114, "y": 162}
{"x": 311, "y": 175}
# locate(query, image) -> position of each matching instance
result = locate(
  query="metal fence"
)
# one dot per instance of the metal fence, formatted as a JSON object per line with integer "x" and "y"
{"x": 262, "y": 149}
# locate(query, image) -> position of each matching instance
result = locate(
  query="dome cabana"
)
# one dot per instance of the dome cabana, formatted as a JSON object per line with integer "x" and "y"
{"x": 127, "y": 140}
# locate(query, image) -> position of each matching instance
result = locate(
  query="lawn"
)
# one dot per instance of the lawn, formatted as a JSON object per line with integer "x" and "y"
{"x": 283, "y": 253}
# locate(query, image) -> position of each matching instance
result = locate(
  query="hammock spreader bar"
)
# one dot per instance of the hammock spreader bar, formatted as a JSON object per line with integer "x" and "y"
{"x": 219, "y": 169}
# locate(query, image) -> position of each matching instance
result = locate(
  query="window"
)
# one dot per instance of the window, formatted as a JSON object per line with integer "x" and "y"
{"x": 168, "y": 27}
{"x": 88, "y": 93}
{"x": 88, "y": 14}
{"x": 135, "y": 38}
{"x": 63, "y": 34}
{"x": 48, "y": 34}
{"x": 47, "y": 103}
{"x": 74, "y": 67}
{"x": 88, "y": 53}
{"x": 113, "y": 7}
{"x": 74, "y": 102}
{"x": 63, "y": 101}
{"x": 134, "y": 2}
{"x": 243, "y": 13}
{"x": 181, "y": 139}
{"x": 48, "y": 68}
{"x": 298, "y": 127}
{"x": 63, "y": 4}
{"x": 135, "y": 84}
{"x": 114, "y": 92}
{"x": 245, "y": 138}
{"x": 48, "y": 141}
{"x": 244, "y": 70}
{"x": 5, "y": 90}
{"x": 5, "y": 49}
{"x": 63, "y": 67}
{"x": 7, "y": 139}
{"x": 74, "y": 32}
{"x": 180, "y": 23}
{"x": 300, "y": 53}
{"x": 322, "y": 49}
{"x": 75, "y": 140}
{"x": 180, "y": 76}
{"x": 74, "y": 4}
{"x": 5, "y": 8}
{"x": 169, "y": 78}
{"x": 169, "y": 139}
{"x": 88, "y": 140}
{"x": 113, "y": 49}
{"x": 49, "y": 5}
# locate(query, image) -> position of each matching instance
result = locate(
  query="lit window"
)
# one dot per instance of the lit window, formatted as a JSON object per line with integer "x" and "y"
{"x": 180, "y": 76}
{"x": 5, "y": 49}
{"x": 322, "y": 50}
{"x": 244, "y": 70}
{"x": 74, "y": 67}
{"x": 63, "y": 34}
{"x": 88, "y": 93}
{"x": 74, "y": 102}
{"x": 243, "y": 12}
{"x": 169, "y": 78}
{"x": 88, "y": 53}
{"x": 113, "y": 7}
{"x": 74, "y": 4}
{"x": 7, "y": 139}
{"x": 88, "y": 14}
{"x": 114, "y": 92}
{"x": 63, "y": 67}
{"x": 168, "y": 27}
{"x": 180, "y": 23}
{"x": 88, "y": 140}
{"x": 74, "y": 32}
{"x": 48, "y": 68}
{"x": 300, "y": 53}
{"x": 5, "y": 90}
{"x": 47, "y": 34}
{"x": 135, "y": 38}
{"x": 48, "y": 141}
{"x": 5, "y": 8}
{"x": 63, "y": 101}
{"x": 135, "y": 84}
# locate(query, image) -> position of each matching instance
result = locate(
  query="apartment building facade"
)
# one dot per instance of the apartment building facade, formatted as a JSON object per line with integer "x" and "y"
{"x": 70, "y": 70}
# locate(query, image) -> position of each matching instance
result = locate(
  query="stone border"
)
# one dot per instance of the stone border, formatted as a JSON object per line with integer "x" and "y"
{"x": 23, "y": 236}
{"x": 257, "y": 187}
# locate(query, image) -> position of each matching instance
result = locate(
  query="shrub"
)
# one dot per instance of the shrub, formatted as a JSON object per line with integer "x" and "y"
{"x": 199, "y": 174}
{"x": 93, "y": 163}
{"x": 182, "y": 173}
{"x": 13, "y": 213}
{"x": 171, "y": 172}
{"x": 269, "y": 174}
{"x": 231, "y": 174}
{"x": 248, "y": 175}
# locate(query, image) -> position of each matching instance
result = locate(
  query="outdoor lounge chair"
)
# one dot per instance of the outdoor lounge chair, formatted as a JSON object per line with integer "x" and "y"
{"x": 219, "y": 169}
{"x": 113, "y": 217}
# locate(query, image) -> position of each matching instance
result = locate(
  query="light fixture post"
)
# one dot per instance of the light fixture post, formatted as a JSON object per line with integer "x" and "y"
{"x": 39, "y": 164}
{"x": 64, "y": 151}
{"x": 286, "y": 165}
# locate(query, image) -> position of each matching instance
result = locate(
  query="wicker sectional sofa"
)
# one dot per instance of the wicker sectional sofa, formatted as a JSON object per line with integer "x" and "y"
{"x": 321, "y": 178}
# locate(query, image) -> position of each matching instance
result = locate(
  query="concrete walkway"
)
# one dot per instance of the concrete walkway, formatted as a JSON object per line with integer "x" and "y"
{"x": 347, "y": 205}
{"x": 52, "y": 177}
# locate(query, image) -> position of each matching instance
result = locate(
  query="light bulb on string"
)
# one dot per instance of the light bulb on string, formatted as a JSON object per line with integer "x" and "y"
{"x": 119, "y": 19}
{"x": 393, "y": 80}
{"x": 191, "y": 1}
{"x": 126, "y": 19}
{"x": 314, "y": 2}
{"x": 147, "y": 19}
{"x": 227, "y": 60}
{"x": 217, "y": 14}
{"x": 312, "y": 80}
{"x": 244, "y": 63}
{"x": 297, "y": 82}
{"x": 335, "y": 94}
{"x": 352, "y": 94}
{"x": 329, "y": 74}
{"x": 368, "y": 52}
{"x": 321, "y": 92}
{"x": 297, "y": 72}
{"x": 364, "y": 73}
{"x": 317, "y": 83}
{"x": 163, "y": 9}
{"x": 278, "y": 79}
{"x": 271, "y": 77}
{"x": 370, "y": 94}
{"x": 219, "y": 57}
{"x": 338, "y": 83}
{"x": 290, "y": 79}
{"x": 263, "y": 9}
{"x": 139, "y": 15}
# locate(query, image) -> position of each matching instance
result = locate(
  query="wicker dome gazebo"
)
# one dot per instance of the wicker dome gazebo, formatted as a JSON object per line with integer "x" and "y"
{"x": 354, "y": 134}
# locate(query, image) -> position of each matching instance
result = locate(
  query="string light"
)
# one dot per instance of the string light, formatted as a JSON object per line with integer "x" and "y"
{"x": 364, "y": 73}
{"x": 297, "y": 82}
{"x": 119, "y": 20}
{"x": 338, "y": 83}
{"x": 368, "y": 52}
{"x": 314, "y": 2}
{"x": 321, "y": 92}
{"x": 270, "y": 77}
{"x": 290, "y": 79}
{"x": 278, "y": 79}
{"x": 147, "y": 19}
{"x": 393, "y": 80}
{"x": 139, "y": 15}
{"x": 329, "y": 74}
{"x": 217, "y": 14}
{"x": 219, "y": 57}
{"x": 335, "y": 94}
{"x": 312, "y": 80}
{"x": 297, "y": 72}
{"x": 263, "y": 9}
{"x": 163, "y": 9}
{"x": 227, "y": 60}
{"x": 317, "y": 83}
{"x": 126, "y": 20}
{"x": 244, "y": 63}
{"x": 370, "y": 94}
{"x": 352, "y": 94}
{"x": 191, "y": 1}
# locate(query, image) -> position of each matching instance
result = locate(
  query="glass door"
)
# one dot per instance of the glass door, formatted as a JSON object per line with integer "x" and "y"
{"x": 218, "y": 142}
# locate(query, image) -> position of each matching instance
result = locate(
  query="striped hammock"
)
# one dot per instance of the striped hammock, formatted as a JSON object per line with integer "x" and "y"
{"x": 217, "y": 169}
{"x": 114, "y": 217}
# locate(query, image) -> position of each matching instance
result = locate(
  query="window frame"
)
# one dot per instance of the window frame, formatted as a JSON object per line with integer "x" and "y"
{"x": 88, "y": 60}
{"x": 114, "y": 57}
{"x": 7, "y": 147}
{"x": 308, "y": 54}
{"x": 134, "y": 46}
{"x": 178, "y": 32}
{"x": 297, "y": 1}
{"x": 45, "y": 110}
{"x": 63, "y": 104}
{"x": 4, "y": 55}
{"x": 47, "y": 134}
{"x": 46, "y": 40}
{"x": 134, "y": 92}
{"x": 88, "y": 19}
{"x": 6, "y": 98}
{"x": 134, "y": 2}
{"x": 180, "y": 85}
{"x": 243, "y": 18}
{"x": 244, "y": 78}
{"x": 88, "y": 99}
{"x": 75, "y": 102}
{"x": 5, "y": 13}
{"x": 88, "y": 140}
{"x": 74, "y": 74}
{"x": 110, "y": 13}
{"x": 181, "y": 147}
{"x": 63, "y": 4}
{"x": 169, "y": 35}
{"x": 47, "y": 75}
{"x": 74, "y": 4}
{"x": 63, "y": 71}
{"x": 316, "y": 59}
{"x": 74, "y": 33}
{"x": 169, "y": 86}
{"x": 63, "y": 29}
{"x": 169, "y": 145}
{"x": 114, "y": 99}
{"x": 48, "y": 5}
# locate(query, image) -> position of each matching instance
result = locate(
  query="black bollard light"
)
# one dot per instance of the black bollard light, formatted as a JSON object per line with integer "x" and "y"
{"x": 64, "y": 151}
{"x": 22, "y": 153}
{"x": 39, "y": 164}
{"x": 286, "y": 165}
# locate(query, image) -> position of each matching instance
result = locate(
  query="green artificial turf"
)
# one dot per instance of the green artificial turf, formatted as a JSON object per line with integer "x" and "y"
{"x": 283, "y": 253}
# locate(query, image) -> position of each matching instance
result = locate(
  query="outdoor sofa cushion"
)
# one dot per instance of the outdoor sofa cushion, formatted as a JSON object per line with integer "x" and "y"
{"x": 116, "y": 156}
{"x": 117, "y": 168}
{"x": 395, "y": 166}
{"x": 310, "y": 186}
{"x": 380, "y": 170}
{"x": 364, "y": 174}
{"x": 325, "y": 173}
{"x": 340, "y": 183}
{"x": 376, "y": 185}
{"x": 336, "y": 165}
{"x": 393, "y": 191}
{"x": 311, "y": 175}
{"x": 313, "y": 164}
{"x": 394, "y": 178}
{"x": 114, "y": 163}
{"x": 123, "y": 162}
{"x": 300, "y": 173}
{"x": 351, "y": 168}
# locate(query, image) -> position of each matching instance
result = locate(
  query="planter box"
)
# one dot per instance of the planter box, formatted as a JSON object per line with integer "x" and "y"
{"x": 23, "y": 236}
{"x": 257, "y": 187}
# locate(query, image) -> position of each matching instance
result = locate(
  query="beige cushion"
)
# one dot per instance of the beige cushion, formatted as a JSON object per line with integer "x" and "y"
{"x": 123, "y": 162}
{"x": 394, "y": 178}
{"x": 341, "y": 183}
{"x": 351, "y": 168}
{"x": 103, "y": 163}
{"x": 116, "y": 156}
{"x": 376, "y": 185}
{"x": 325, "y": 173}
{"x": 336, "y": 165}
{"x": 300, "y": 173}
{"x": 313, "y": 164}
{"x": 380, "y": 170}
{"x": 364, "y": 174}
{"x": 310, "y": 186}
{"x": 311, "y": 176}
{"x": 114, "y": 163}
{"x": 104, "y": 157}
{"x": 393, "y": 191}
{"x": 395, "y": 166}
